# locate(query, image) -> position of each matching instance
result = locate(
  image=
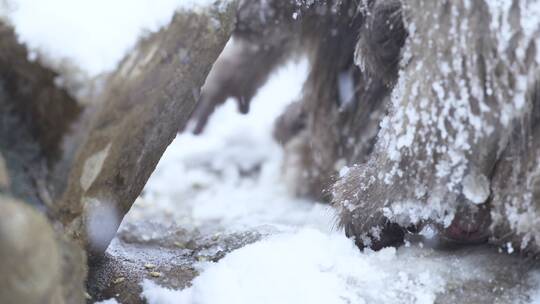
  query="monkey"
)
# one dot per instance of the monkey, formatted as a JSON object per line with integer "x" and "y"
{"x": 464, "y": 107}
{"x": 334, "y": 123}
{"x": 443, "y": 113}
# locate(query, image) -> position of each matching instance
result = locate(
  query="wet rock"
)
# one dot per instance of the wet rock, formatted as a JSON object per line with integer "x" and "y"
{"x": 29, "y": 258}
{"x": 35, "y": 115}
{"x": 85, "y": 168}
{"x": 144, "y": 104}
{"x": 505, "y": 278}
{"x": 74, "y": 269}
{"x": 164, "y": 253}
{"x": 39, "y": 265}
{"x": 31, "y": 96}
{"x": 171, "y": 257}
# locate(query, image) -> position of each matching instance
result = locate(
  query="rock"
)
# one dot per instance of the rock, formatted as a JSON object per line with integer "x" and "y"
{"x": 74, "y": 269}
{"x": 85, "y": 168}
{"x": 29, "y": 257}
{"x": 39, "y": 264}
{"x": 507, "y": 278}
{"x": 4, "y": 177}
{"x": 154, "y": 250}
{"x": 145, "y": 103}
{"x": 35, "y": 115}
{"x": 33, "y": 98}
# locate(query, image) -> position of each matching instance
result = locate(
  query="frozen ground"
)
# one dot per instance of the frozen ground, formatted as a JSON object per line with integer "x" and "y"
{"x": 228, "y": 180}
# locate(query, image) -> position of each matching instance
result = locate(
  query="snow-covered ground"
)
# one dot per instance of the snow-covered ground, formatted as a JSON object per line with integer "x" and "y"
{"x": 231, "y": 175}
{"x": 229, "y": 179}
{"x": 305, "y": 259}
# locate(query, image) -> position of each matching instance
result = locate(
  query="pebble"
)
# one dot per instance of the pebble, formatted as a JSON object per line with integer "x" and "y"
{"x": 155, "y": 274}
{"x": 149, "y": 266}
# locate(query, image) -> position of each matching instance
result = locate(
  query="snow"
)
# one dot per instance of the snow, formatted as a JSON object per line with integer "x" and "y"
{"x": 476, "y": 188}
{"x": 199, "y": 183}
{"x": 230, "y": 175}
{"x": 93, "y": 34}
{"x": 303, "y": 258}
{"x": 346, "y": 87}
{"x": 535, "y": 295}
{"x": 311, "y": 266}
{"x": 102, "y": 218}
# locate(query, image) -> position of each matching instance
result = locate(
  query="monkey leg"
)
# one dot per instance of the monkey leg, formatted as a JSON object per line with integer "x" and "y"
{"x": 263, "y": 38}
{"x": 452, "y": 110}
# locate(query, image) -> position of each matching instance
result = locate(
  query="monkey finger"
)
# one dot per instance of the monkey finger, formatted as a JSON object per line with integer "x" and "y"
{"x": 243, "y": 105}
{"x": 201, "y": 114}
{"x": 387, "y": 234}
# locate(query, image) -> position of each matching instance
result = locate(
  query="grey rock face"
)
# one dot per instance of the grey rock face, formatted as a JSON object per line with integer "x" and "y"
{"x": 40, "y": 264}
{"x": 83, "y": 168}
{"x": 146, "y": 102}
{"x": 29, "y": 256}
{"x": 34, "y": 117}
{"x": 160, "y": 252}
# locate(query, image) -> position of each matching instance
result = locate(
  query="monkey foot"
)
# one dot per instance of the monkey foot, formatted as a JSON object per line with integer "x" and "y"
{"x": 386, "y": 235}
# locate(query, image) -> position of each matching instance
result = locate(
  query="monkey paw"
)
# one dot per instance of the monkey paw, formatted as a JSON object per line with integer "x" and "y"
{"x": 361, "y": 199}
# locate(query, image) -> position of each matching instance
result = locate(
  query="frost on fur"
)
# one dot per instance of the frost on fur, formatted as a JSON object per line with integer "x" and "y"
{"x": 458, "y": 145}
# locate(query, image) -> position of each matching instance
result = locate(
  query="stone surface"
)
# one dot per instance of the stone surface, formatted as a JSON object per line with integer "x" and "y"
{"x": 35, "y": 115}
{"x": 39, "y": 265}
{"x": 74, "y": 269}
{"x": 86, "y": 166}
{"x": 171, "y": 256}
{"x": 509, "y": 279}
{"x": 145, "y": 103}
{"x": 164, "y": 253}
{"x": 29, "y": 258}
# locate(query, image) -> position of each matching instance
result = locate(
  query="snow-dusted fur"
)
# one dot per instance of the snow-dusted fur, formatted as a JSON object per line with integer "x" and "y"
{"x": 458, "y": 148}
{"x": 337, "y": 118}
{"x": 427, "y": 109}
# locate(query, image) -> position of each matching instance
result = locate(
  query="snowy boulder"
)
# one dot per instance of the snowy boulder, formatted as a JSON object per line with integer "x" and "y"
{"x": 29, "y": 258}
{"x": 85, "y": 167}
{"x": 37, "y": 265}
{"x": 156, "y": 250}
{"x": 35, "y": 115}
{"x": 142, "y": 107}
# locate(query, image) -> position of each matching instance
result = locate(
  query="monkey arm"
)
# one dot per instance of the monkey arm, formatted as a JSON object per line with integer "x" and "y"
{"x": 439, "y": 155}
{"x": 239, "y": 71}
{"x": 264, "y": 37}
